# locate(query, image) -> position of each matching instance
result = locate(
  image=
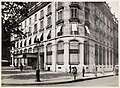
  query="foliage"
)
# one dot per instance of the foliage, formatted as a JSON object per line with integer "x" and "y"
{"x": 12, "y": 12}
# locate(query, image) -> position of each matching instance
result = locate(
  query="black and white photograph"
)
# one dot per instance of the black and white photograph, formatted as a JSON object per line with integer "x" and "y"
{"x": 59, "y": 43}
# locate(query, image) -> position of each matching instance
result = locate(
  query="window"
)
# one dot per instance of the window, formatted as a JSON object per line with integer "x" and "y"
{"x": 60, "y": 53}
{"x": 30, "y": 50}
{"x": 100, "y": 55}
{"x": 49, "y": 54}
{"x": 35, "y": 49}
{"x": 41, "y": 14}
{"x": 104, "y": 61}
{"x": 35, "y": 27}
{"x": 74, "y": 53}
{"x": 59, "y": 4}
{"x": 96, "y": 54}
{"x": 110, "y": 57}
{"x": 41, "y": 24}
{"x": 29, "y": 29}
{"x": 49, "y": 35}
{"x": 74, "y": 13}
{"x": 107, "y": 56}
{"x": 74, "y": 29}
{"x": 29, "y": 41}
{"x": 59, "y": 15}
{"x": 25, "y": 43}
{"x": 49, "y": 8}
{"x": 49, "y": 20}
{"x": 25, "y": 24}
{"x": 21, "y": 44}
{"x": 86, "y": 53}
{"x": 29, "y": 21}
{"x": 35, "y": 17}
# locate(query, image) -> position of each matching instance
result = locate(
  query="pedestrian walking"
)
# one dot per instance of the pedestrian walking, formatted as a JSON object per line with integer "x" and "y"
{"x": 83, "y": 72}
{"x": 70, "y": 69}
{"x": 21, "y": 67}
{"x": 74, "y": 72}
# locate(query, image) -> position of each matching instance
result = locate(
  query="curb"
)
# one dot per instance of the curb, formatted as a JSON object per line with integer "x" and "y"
{"x": 50, "y": 83}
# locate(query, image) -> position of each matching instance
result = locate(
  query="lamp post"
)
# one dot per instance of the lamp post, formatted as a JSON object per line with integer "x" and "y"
{"x": 37, "y": 41}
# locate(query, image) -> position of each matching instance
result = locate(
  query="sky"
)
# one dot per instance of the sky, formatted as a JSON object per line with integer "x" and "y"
{"x": 114, "y": 4}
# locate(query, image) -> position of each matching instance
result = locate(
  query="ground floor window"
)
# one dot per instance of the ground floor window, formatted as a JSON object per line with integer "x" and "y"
{"x": 74, "y": 53}
{"x": 86, "y": 53}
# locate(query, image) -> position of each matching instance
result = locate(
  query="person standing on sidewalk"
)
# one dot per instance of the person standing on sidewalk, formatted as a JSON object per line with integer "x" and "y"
{"x": 74, "y": 72}
{"x": 70, "y": 69}
{"x": 21, "y": 67}
{"x": 83, "y": 72}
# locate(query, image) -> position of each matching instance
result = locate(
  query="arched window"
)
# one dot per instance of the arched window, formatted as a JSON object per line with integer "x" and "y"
{"x": 49, "y": 54}
{"x": 35, "y": 49}
{"x": 74, "y": 52}
{"x": 107, "y": 56}
{"x": 30, "y": 50}
{"x": 60, "y": 53}
{"x": 96, "y": 54}
{"x": 86, "y": 53}
{"x": 100, "y": 55}
{"x": 104, "y": 61}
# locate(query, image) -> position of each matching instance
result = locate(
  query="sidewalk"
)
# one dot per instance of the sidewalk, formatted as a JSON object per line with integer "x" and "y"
{"x": 49, "y": 80}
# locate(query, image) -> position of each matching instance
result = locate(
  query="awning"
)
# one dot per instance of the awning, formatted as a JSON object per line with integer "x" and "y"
{"x": 39, "y": 36}
{"x": 58, "y": 28}
{"x": 48, "y": 32}
{"x": 74, "y": 27}
{"x": 26, "y": 55}
{"x": 88, "y": 31}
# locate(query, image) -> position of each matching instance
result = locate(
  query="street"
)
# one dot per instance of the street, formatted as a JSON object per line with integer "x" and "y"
{"x": 111, "y": 81}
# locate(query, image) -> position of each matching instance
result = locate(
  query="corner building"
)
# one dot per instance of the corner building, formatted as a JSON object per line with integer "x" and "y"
{"x": 70, "y": 33}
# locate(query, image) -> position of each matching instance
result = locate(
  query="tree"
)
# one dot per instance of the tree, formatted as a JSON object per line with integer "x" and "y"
{"x": 12, "y": 12}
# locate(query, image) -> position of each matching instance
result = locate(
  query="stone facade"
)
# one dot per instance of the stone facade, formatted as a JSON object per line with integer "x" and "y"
{"x": 71, "y": 34}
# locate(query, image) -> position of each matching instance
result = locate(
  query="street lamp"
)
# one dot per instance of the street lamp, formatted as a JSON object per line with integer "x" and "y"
{"x": 37, "y": 41}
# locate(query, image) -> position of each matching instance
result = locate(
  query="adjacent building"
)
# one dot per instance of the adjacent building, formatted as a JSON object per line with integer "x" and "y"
{"x": 71, "y": 34}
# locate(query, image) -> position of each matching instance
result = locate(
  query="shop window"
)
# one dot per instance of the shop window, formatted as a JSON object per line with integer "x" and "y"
{"x": 107, "y": 56}
{"x": 60, "y": 53}
{"x": 86, "y": 53}
{"x": 96, "y": 54}
{"x": 100, "y": 55}
{"x": 49, "y": 54}
{"x": 104, "y": 60}
{"x": 74, "y": 53}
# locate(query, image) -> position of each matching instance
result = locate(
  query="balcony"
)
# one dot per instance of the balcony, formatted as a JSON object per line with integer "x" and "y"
{"x": 59, "y": 8}
{"x": 49, "y": 13}
{"x": 59, "y": 21}
{"x": 49, "y": 26}
{"x": 75, "y": 19}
